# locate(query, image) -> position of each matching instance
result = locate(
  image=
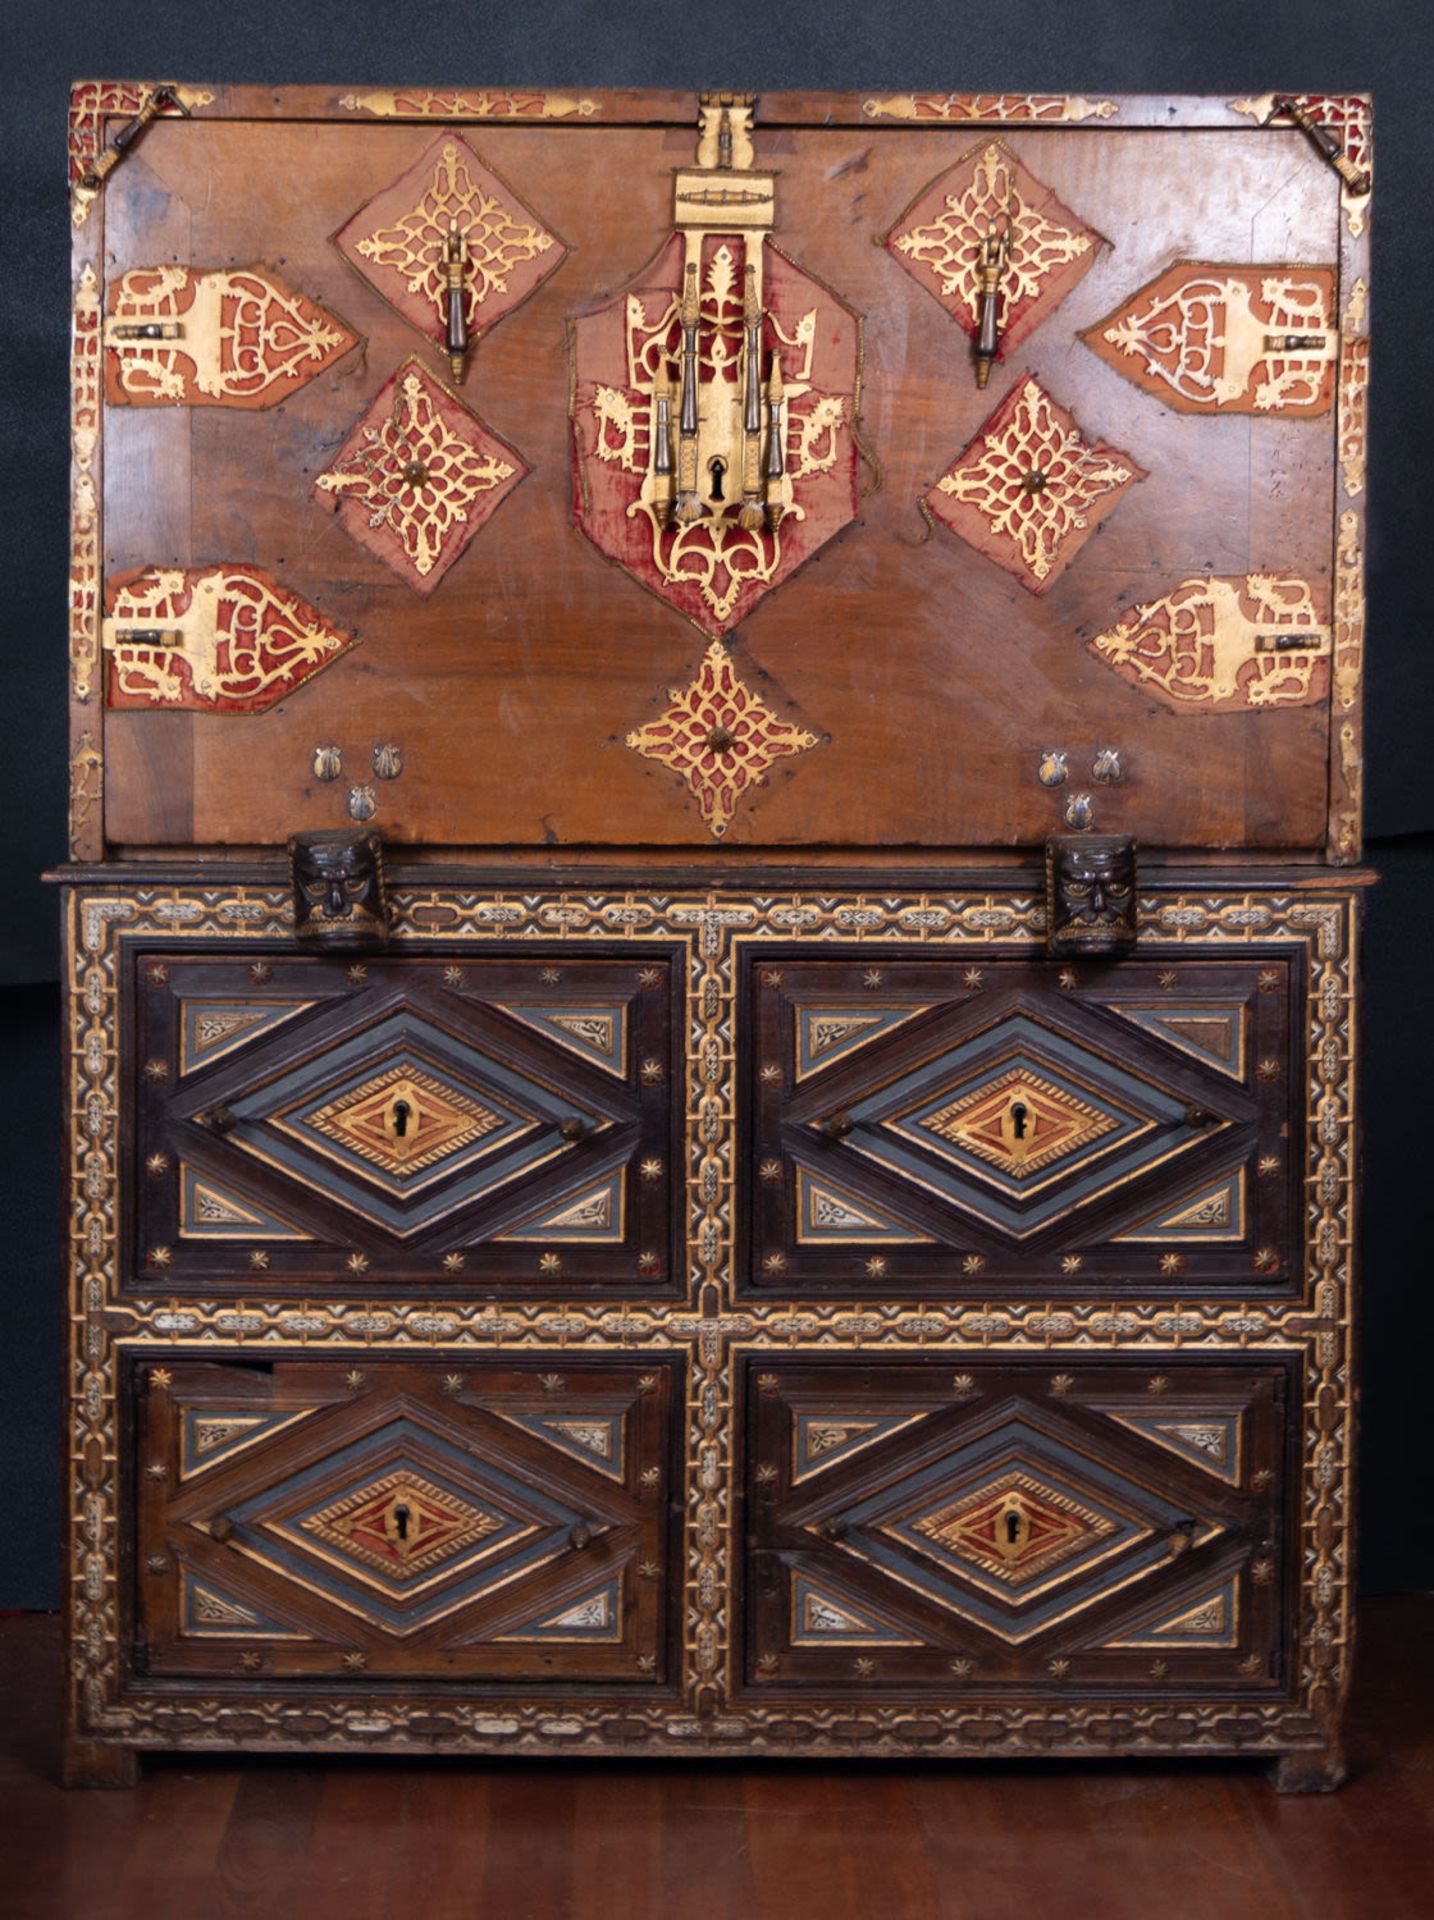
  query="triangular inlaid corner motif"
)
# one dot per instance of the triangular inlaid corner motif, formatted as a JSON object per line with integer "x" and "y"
{"x": 830, "y": 1215}
{"x": 211, "y": 1211}
{"x": 819, "y": 1440}
{"x": 598, "y": 1439}
{"x": 594, "y": 1616}
{"x": 1212, "y": 1619}
{"x": 210, "y": 1434}
{"x": 208, "y": 1612}
{"x": 594, "y": 1217}
{"x": 1210, "y": 1033}
{"x": 823, "y": 1617}
{"x": 596, "y": 1033}
{"x": 828, "y": 1033}
{"x": 1213, "y": 1212}
{"x": 1210, "y": 1439}
{"x": 210, "y": 1029}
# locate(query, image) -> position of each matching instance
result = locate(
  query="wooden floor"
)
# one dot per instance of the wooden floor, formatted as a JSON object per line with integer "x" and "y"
{"x": 373, "y": 1841}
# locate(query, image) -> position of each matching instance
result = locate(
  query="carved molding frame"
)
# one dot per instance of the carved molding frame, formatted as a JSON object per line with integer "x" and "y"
{"x": 107, "y": 1331}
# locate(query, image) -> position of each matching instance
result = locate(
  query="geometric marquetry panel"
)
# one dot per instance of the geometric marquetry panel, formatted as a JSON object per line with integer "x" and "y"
{"x": 1034, "y": 1515}
{"x": 327, "y": 1123}
{"x": 416, "y": 1517}
{"x": 1029, "y": 1128}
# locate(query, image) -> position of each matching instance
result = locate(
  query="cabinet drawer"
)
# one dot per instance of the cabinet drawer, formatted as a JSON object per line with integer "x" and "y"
{"x": 949, "y": 1525}
{"x": 923, "y": 1125}
{"x": 435, "y": 1518}
{"x": 449, "y": 1121}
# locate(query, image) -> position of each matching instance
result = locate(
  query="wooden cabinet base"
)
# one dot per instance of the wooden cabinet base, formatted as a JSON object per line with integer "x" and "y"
{"x": 1012, "y": 1420}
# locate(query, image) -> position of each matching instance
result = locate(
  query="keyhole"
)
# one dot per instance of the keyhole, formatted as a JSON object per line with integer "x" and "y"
{"x": 1020, "y": 1113}
{"x": 718, "y": 470}
{"x": 401, "y": 1111}
{"x": 400, "y": 1521}
{"x": 1013, "y": 1529}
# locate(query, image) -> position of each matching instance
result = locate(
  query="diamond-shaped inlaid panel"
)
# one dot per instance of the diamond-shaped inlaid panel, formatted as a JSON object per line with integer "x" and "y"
{"x": 928, "y": 1124}
{"x": 982, "y": 1525}
{"x": 431, "y": 1119}
{"x": 418, "y": 477}
{"x": 1031, "y": 489}
{"x": 399, "y": 240}
{"x": 408, "y": 1517}
{"x": 941, "y": 237}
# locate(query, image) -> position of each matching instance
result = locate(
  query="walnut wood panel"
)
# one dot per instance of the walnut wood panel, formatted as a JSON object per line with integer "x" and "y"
{"x": 1076, "y": 1525}
{"x": 438, "y": 1518}
{"x": 931, "y": 680}
{"x": 311, "y": 1124}
{"x": 924, "y": 1126}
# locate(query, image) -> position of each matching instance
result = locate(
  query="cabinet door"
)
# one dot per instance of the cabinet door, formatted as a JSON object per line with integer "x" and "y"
{"x": 443, "y": 1120}
{"x": 932, "y": 1125}
{"x": 436, "y": 1518}
{"x": 950, "y": 1525}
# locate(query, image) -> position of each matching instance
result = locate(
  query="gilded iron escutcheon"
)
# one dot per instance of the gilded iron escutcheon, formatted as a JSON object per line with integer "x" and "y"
{"x": 1090, "y": 894}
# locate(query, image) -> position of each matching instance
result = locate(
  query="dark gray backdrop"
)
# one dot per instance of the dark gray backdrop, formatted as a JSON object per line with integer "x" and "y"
{"x": 1088, "y": 46}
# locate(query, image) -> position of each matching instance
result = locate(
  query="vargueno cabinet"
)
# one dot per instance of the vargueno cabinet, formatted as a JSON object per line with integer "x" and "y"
{"x": 715, "y": 785}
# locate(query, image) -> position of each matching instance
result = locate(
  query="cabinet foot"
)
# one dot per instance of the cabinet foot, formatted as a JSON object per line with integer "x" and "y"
{"x": 1319, "y": 1772}
{"x": 95, "y": 1763}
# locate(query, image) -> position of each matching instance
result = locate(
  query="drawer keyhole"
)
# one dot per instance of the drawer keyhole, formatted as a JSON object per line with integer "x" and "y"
{"x": 1013, "y": 1530}
{"x": 400, "y": 1521}
{"x": 718, "y": 470}
{"x": 1020, "y": 1114}
{"x": 401, "y": 1113}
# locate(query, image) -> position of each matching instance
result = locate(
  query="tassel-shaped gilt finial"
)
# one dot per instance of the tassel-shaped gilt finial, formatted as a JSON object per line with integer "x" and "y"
{"x": 751, "y": 515}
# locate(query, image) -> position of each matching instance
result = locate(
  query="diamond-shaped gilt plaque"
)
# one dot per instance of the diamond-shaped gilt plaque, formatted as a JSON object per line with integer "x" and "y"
{"x": 720, "y": 737}
{"x": 1015, "y": 1527}
{"x": 405, "y": 1119}
{"x": 401, "y": 1524}
{"x": 940, "y": 236}
{"x": 418, "y": 477}
{"x": 1020, "y": 1122}
{"x": 1030, "y": 489}
{"x": 399, "y": 239}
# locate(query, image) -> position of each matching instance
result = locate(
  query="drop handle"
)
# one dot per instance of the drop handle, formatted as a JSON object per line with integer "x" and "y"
{"x": 995, "y": 248}
{"x": 573, "y": 1129}
{"x": 455, "y": 338}
{"x": 1296, "y": 107}
{"x": 221, "y": 1118}
{"x": 160, "y": 100}
{"x": 837, "y": 1126}
{"x": 580, "y": 1536}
